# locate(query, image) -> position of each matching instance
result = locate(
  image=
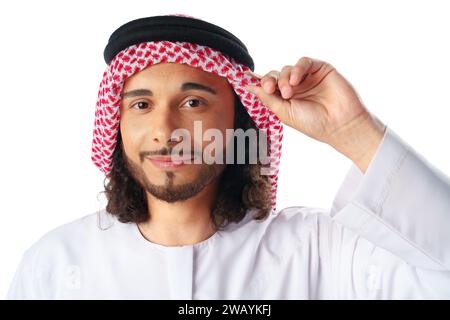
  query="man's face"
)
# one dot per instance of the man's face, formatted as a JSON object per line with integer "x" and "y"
{"x": 148, "y": 119}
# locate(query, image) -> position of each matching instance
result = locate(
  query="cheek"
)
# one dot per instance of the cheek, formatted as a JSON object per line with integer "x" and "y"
{"x": 131, "y": 137}
{"x": 222, "y": 118}
{"x": 216, "y": 126}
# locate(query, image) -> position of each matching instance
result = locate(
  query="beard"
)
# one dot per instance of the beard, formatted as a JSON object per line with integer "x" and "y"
{"x": 168, "y": 191}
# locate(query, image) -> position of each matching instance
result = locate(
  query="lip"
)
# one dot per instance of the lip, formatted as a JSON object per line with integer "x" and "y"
{"x": 165, "y": 162}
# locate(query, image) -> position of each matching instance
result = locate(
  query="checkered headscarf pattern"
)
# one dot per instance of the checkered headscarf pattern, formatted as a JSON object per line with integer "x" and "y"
{"x": 137, "y": 57}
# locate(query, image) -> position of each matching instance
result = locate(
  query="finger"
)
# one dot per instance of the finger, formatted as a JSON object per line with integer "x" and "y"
{"x": 278, "y": 105}
{"x": 269, "y": 81}
{"x": 253, "y": 73}
{"x": 283, "y": 82}
{"x": 302, "y": 68}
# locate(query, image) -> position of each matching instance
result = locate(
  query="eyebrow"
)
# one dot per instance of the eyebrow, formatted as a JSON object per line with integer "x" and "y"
{"x": 184, "y": 87}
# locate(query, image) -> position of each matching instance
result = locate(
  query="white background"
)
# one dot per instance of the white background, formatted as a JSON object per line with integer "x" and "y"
{"x": 51, "y": 61}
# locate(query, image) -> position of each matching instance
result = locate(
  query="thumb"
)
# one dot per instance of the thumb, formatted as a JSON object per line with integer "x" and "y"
{"x": 275, "y": 103}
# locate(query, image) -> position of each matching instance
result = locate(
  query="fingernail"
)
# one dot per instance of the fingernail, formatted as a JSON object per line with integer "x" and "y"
{"x": 285, "y": 92}
{"x": 294, "y": 79}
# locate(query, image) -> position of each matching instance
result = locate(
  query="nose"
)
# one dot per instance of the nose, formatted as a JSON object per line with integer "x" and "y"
{"x": 163, "y": 123}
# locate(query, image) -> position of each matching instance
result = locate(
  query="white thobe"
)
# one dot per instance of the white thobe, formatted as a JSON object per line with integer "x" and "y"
{"x": 387, "y": 236}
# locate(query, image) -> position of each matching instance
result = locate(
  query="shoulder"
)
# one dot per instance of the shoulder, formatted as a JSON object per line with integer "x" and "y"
{"x": 296, "y": 225}
{"x": 72, "y": 238}
{"x": 294, "y": 220}
{"x": 300, "y": 218}
{"x": 59, "y": 251}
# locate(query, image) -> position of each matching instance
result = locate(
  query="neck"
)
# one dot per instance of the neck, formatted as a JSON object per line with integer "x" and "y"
{"x": 180, "y": 223}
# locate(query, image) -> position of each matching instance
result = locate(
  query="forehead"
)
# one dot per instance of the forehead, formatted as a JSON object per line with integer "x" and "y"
{"x": 174, "y": 71}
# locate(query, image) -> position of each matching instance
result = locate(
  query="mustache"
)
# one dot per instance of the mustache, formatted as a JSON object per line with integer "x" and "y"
{"x": 169, "y": 151}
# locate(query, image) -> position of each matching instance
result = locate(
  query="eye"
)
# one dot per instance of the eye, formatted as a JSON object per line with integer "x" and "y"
{"x": 193, "y": 103}
{"x": 140, "y": 105}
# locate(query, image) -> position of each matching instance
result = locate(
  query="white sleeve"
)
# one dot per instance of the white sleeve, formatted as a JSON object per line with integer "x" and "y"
{"x": 397, "y": 217}
{"x": 23, "y": 285}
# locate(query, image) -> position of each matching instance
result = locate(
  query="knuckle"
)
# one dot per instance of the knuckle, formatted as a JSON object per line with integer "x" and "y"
{"x": 271, "y": 76}
{"x": 268, "y": 79}
{"x": 283, "y": 80}
{"x": 285, "y": 75}
{"x": 274, "y": 74}
{"x": 286, "y": 69}
{"x": 304, "y": 60}
{"x": 328, "y": 65}
{"x": 296, "y": 69}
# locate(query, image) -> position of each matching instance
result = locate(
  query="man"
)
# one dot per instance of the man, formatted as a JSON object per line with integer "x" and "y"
{"x": 175, "y": 228}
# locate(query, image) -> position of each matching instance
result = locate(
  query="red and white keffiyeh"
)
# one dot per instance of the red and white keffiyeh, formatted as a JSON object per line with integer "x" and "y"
{"x": 135, "y": 58}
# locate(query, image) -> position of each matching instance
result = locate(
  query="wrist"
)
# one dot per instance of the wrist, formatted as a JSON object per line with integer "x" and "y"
{"x": 360, "y": 139}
